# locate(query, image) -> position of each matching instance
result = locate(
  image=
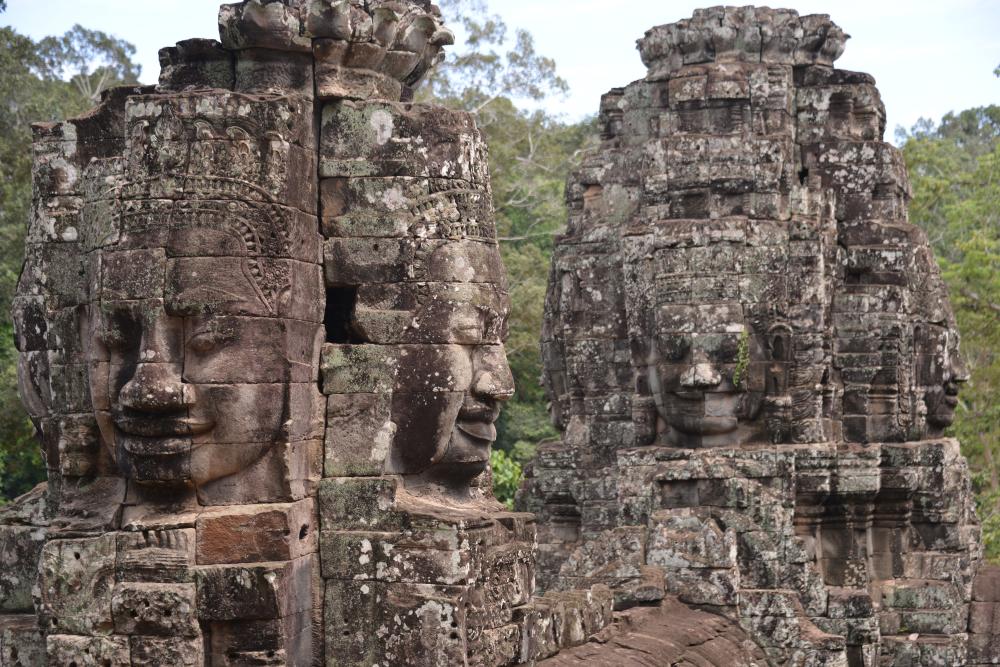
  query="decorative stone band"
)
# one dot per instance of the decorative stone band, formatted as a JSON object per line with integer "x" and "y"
{"x": 742, "y": 34}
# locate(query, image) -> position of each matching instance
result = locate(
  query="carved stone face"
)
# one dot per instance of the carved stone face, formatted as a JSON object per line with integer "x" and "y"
{"x": 941, "y": 372}
{"x": 205, "y": 292}
{"x": 701, "y": 311}
{"x": 708, "y": 387}
{"x": 186, "y": 392}
{"x": 446, "y": 435}
{"x": 449, "y": 391}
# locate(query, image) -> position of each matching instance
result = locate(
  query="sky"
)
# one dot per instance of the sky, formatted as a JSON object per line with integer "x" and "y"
{"x": 928, "y": 56}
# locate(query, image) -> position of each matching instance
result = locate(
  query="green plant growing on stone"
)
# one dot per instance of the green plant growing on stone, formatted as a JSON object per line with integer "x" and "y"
{"x": 742, "y": 359}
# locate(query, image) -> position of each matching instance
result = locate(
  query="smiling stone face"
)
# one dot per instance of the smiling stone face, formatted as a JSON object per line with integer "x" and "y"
{"x": 205, "y": 313}
{"x": 412, "y": 262}
{"x": 704, "y": 300}
{"x": 193, "y": 398}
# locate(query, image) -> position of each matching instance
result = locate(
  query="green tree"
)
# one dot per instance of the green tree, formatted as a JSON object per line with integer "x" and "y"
{"x": 489, "y": 65}
{"x": 51, "y": 79}
{"x": 954, "y": 169}
{"x": 506, "y": 476}
{"x": 942, "y": 159}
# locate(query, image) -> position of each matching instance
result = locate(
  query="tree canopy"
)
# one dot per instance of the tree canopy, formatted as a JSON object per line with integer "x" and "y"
{"x": 954, "y": 168}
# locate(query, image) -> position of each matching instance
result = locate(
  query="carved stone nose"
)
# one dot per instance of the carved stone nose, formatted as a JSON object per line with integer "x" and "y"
{"x": 488, "y": 385}
{"x": 493, "y": 378}
{"x": 701, "y": 376}
{"x": 155, "y": 388}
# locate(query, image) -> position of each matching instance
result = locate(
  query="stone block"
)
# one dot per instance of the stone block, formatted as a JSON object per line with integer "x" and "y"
{"x": 255, "y": 591}
{"x": 22, "y": 643}
{"x": 679, "y": 541}
{"x": 353, "y": 369}
{"x": 370, "y": 207}
{"x": 360, "y": 503}
{"x": 768, "y": 603}
{"x": 355, "y": 261}
{"x": 132, "y": 275}
{"x": 75, "y": 578}
{"x": 68, "y": 650}
{"x": 372, "y": 622}
{"x": 194, "y": 64}
{"x": 359, "y": 434}
{"x": 20, "y": 550}
{"x": 910, "y": 594}
{"x": 78, "y": 444}
{"x": 56, "y": 272}
{"x": 285, "y": 230}
{"x": 704, "y": 586}
{"x": 256, "y": 533}
{"x": 983, "y": 649}
{"x": 155, "y": 609}
{"x": 284, "y": 641}
{"x": 380, "y": 139}
{"x": 155, "y": 556}
{"x": 498, "y": 646}
{"x": 389, "y": 557}
{"x": 177, "y": 651}
{"x": 337, "y": 80}
{"x": 983, "y": 619}
{"x": 272, "y": 72}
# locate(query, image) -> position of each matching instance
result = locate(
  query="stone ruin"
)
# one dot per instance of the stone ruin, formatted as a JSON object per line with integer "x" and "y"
{"x": 261, "y": 325}
{"x": 751, "y": 356}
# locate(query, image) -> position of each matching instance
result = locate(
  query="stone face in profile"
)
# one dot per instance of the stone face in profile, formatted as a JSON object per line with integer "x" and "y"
{"x": 429, "y": 287}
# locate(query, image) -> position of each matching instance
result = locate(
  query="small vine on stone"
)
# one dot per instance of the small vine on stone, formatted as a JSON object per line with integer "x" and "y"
{"x": 742, "y": 360}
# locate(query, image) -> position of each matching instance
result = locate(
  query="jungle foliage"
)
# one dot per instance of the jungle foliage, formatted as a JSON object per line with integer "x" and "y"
{"x": 954, "y": 168}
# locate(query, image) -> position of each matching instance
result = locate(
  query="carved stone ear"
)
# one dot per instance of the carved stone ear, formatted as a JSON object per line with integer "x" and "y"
{"x": 644, "y": 417}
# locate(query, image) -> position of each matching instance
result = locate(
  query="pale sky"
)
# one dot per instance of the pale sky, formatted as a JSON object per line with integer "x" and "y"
{"x": 928, "y": 56}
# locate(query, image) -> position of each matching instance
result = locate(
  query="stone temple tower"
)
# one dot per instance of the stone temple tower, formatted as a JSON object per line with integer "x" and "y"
{"x": 751, "y": 356}
{"x": 261, "y": 324}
